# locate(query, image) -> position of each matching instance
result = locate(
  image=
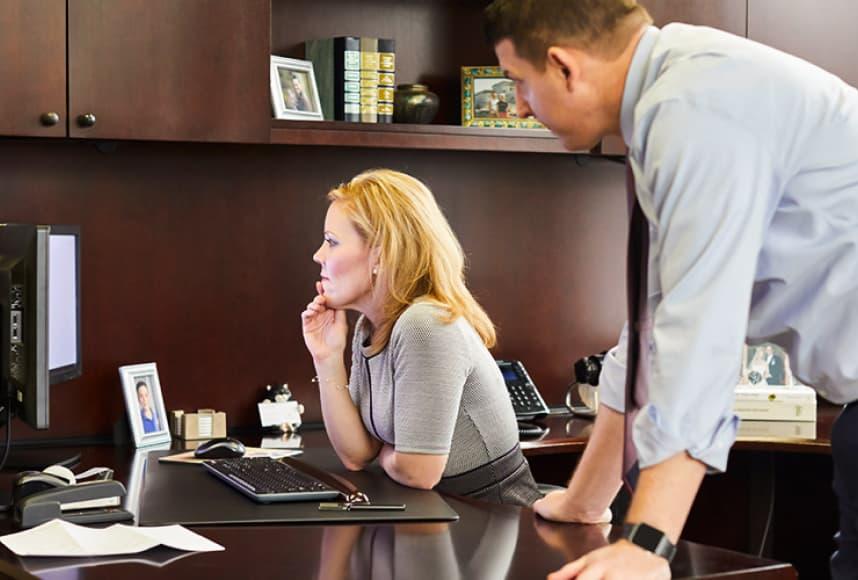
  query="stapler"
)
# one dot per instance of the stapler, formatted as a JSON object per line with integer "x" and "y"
{"x": 73, "y": 503}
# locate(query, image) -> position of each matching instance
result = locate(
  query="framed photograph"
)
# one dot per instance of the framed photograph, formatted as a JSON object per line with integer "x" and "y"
{"x": 144, "y": 403}
{"x": 488, "y": 100}
{"x": 294, "y": 93}
{"x": 765, "y": 365}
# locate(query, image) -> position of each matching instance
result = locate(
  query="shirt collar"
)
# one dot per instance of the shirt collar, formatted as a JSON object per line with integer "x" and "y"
{"x": 635, "y": 79}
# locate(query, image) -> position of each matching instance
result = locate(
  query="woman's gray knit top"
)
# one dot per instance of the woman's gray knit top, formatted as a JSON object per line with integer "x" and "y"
{"x": 434, "y": 389}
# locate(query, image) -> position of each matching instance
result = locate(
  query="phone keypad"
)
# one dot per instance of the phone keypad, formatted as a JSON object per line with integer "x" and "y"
{"x": 524, "y": 399}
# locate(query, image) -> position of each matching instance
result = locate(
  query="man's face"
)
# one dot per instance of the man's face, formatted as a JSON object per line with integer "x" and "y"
{"x": 564, "y": 103}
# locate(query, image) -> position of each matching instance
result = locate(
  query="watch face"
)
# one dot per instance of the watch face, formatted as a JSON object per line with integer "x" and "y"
{"x": 647, "y": 537}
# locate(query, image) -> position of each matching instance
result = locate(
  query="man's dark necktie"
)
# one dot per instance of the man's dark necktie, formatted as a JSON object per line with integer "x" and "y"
{"x": 637, "y": 372}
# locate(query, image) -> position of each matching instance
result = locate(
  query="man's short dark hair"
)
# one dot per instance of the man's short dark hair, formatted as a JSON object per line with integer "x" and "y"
{"x": 142, "y": 384}
{"x": 604, "y": 27}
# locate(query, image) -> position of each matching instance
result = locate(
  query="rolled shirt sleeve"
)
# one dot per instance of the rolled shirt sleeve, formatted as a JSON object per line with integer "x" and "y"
{"x": 704, "y": 183}
{"x": 612, "y": 379}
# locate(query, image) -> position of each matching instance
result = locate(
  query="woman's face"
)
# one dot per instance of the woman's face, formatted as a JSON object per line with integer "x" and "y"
{"x": 346, "y": 262}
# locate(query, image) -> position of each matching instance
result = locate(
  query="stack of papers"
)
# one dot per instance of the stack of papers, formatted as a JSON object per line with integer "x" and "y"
{"x": 775, "y": 403}
{"x": 61, "y": 538}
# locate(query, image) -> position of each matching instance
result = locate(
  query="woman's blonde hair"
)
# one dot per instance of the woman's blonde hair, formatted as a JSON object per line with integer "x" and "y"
{"x": 419, "y": 255}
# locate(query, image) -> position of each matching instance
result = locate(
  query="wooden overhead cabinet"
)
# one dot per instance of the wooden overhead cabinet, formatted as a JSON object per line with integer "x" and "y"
{"x": 33, "y": 68}
{"x": 194, "y": 70}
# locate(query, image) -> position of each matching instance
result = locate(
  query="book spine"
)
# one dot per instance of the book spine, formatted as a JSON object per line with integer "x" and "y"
{"x": 368, "y": 80}
{"x": 386, "y": 78}
{"x": 320, "y": 53}
{"x": 336, "y": 63}
{"x": 350, "y": 78}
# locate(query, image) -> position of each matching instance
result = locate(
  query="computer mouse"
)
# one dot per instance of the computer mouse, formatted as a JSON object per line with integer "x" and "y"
{"x": 220, "y": 448}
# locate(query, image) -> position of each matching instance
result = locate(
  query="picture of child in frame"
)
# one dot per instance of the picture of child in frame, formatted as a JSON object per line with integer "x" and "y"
{"x": 148, "y": 415}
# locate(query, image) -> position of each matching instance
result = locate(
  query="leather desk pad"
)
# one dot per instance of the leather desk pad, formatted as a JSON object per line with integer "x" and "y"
{"x": 188, "y": 494}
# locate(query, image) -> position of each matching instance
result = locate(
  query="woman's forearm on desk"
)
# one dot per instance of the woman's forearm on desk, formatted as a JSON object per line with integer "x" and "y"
{"x": 422, "y": 471}
{"x": 350, "y": 439}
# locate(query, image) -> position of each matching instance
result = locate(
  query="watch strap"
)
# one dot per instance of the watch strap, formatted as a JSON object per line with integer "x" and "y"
{"x": 650, "y": 539}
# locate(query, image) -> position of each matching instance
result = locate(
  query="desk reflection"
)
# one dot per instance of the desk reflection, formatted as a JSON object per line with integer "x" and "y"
{"x": 480, "y": 545}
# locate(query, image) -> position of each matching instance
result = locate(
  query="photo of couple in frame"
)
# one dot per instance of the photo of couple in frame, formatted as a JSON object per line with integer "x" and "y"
{"x": 765, "y": 365}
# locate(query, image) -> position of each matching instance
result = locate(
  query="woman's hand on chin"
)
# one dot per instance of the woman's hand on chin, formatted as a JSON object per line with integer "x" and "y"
{"x": 324, "y": 328}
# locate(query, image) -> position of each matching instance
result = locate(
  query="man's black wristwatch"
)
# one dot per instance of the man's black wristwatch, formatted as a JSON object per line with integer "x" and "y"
{"x": 650, "y": 539}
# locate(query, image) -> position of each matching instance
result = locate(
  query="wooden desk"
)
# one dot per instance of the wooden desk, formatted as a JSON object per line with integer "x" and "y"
{"x": 782, "y": 484}
{"x": 488, "y": 541}
{"x": 569, "y": 434}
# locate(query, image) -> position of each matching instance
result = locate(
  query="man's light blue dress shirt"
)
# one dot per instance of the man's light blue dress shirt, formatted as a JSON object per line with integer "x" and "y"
{"x": 746, "y": 166}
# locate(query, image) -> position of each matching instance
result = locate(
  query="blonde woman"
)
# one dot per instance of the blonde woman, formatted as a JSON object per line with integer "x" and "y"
{"x": 424, "y": 396}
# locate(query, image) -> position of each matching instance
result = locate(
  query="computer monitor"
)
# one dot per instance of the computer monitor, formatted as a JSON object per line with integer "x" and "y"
{"x": 39, "y": 317}
{"x": 25, "y": 374}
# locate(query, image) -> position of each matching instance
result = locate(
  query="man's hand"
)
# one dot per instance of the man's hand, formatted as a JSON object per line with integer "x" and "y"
{"x": 558, "y": 507}
{"x": 620, "y": 560}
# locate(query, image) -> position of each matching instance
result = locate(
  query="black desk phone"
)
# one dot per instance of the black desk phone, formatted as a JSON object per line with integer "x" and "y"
{"x": 526, "y": 400}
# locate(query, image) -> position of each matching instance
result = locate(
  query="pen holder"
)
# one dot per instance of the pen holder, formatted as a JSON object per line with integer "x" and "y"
{"x": 204, "y": 424}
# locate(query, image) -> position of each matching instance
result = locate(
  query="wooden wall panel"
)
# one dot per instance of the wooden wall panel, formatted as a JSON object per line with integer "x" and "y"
{"x": 820, "y": 32}
{"x": 198, "y": 257}
{"x": 729, "y": 15}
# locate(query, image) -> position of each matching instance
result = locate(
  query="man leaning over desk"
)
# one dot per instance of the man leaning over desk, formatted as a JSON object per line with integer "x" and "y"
{"x": 744, "y": 163}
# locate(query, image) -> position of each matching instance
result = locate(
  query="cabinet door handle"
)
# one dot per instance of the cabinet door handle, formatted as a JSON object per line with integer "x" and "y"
{"x": 49, "y": 119}
{"x": 87, "y": 120}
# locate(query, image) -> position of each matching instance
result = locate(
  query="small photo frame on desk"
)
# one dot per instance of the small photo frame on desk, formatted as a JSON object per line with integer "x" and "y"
{"x": 488, "y": 100}
{"x": 765, "y": 365}
{"x": 147, "y": 416}
{"x": 294, "y": 93}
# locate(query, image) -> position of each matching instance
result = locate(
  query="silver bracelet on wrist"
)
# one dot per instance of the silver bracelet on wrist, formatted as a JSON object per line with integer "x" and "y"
{"x": 317, "y": 380}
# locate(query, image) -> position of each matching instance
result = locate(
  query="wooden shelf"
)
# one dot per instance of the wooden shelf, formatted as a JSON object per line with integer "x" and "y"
{"x": 402, "y": 136}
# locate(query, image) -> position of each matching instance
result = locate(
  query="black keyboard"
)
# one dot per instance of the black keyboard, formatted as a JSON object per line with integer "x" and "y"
{"x": 268, "y": 480}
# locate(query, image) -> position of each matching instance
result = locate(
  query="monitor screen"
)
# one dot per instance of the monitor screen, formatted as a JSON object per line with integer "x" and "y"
{"x": 64, "y": 356}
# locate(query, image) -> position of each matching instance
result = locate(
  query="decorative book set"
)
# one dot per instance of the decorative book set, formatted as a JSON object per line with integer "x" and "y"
{"x": 355, "y": 77}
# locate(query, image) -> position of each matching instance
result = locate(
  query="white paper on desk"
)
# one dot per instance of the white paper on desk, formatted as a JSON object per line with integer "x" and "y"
{"x": 61, "y": 538}
{"x": 279, "y": 413}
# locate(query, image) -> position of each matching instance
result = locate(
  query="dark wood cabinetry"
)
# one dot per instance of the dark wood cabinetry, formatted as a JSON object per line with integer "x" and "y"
{"x": 729, "y": 15}
{"x": 195, "y": 70}
{"x": 820, "y": 32}
{"x": 33, "y": 68}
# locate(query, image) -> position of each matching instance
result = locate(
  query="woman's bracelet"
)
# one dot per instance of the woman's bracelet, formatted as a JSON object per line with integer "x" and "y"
{"x": 316, "y": 379}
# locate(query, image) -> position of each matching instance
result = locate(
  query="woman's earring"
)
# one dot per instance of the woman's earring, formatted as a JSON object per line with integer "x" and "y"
{"x": 375, "y": 271}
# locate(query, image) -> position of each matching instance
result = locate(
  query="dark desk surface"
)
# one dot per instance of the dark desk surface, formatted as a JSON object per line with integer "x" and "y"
{"x": 569, "y": 434}
{"x": 489, "y": 541}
